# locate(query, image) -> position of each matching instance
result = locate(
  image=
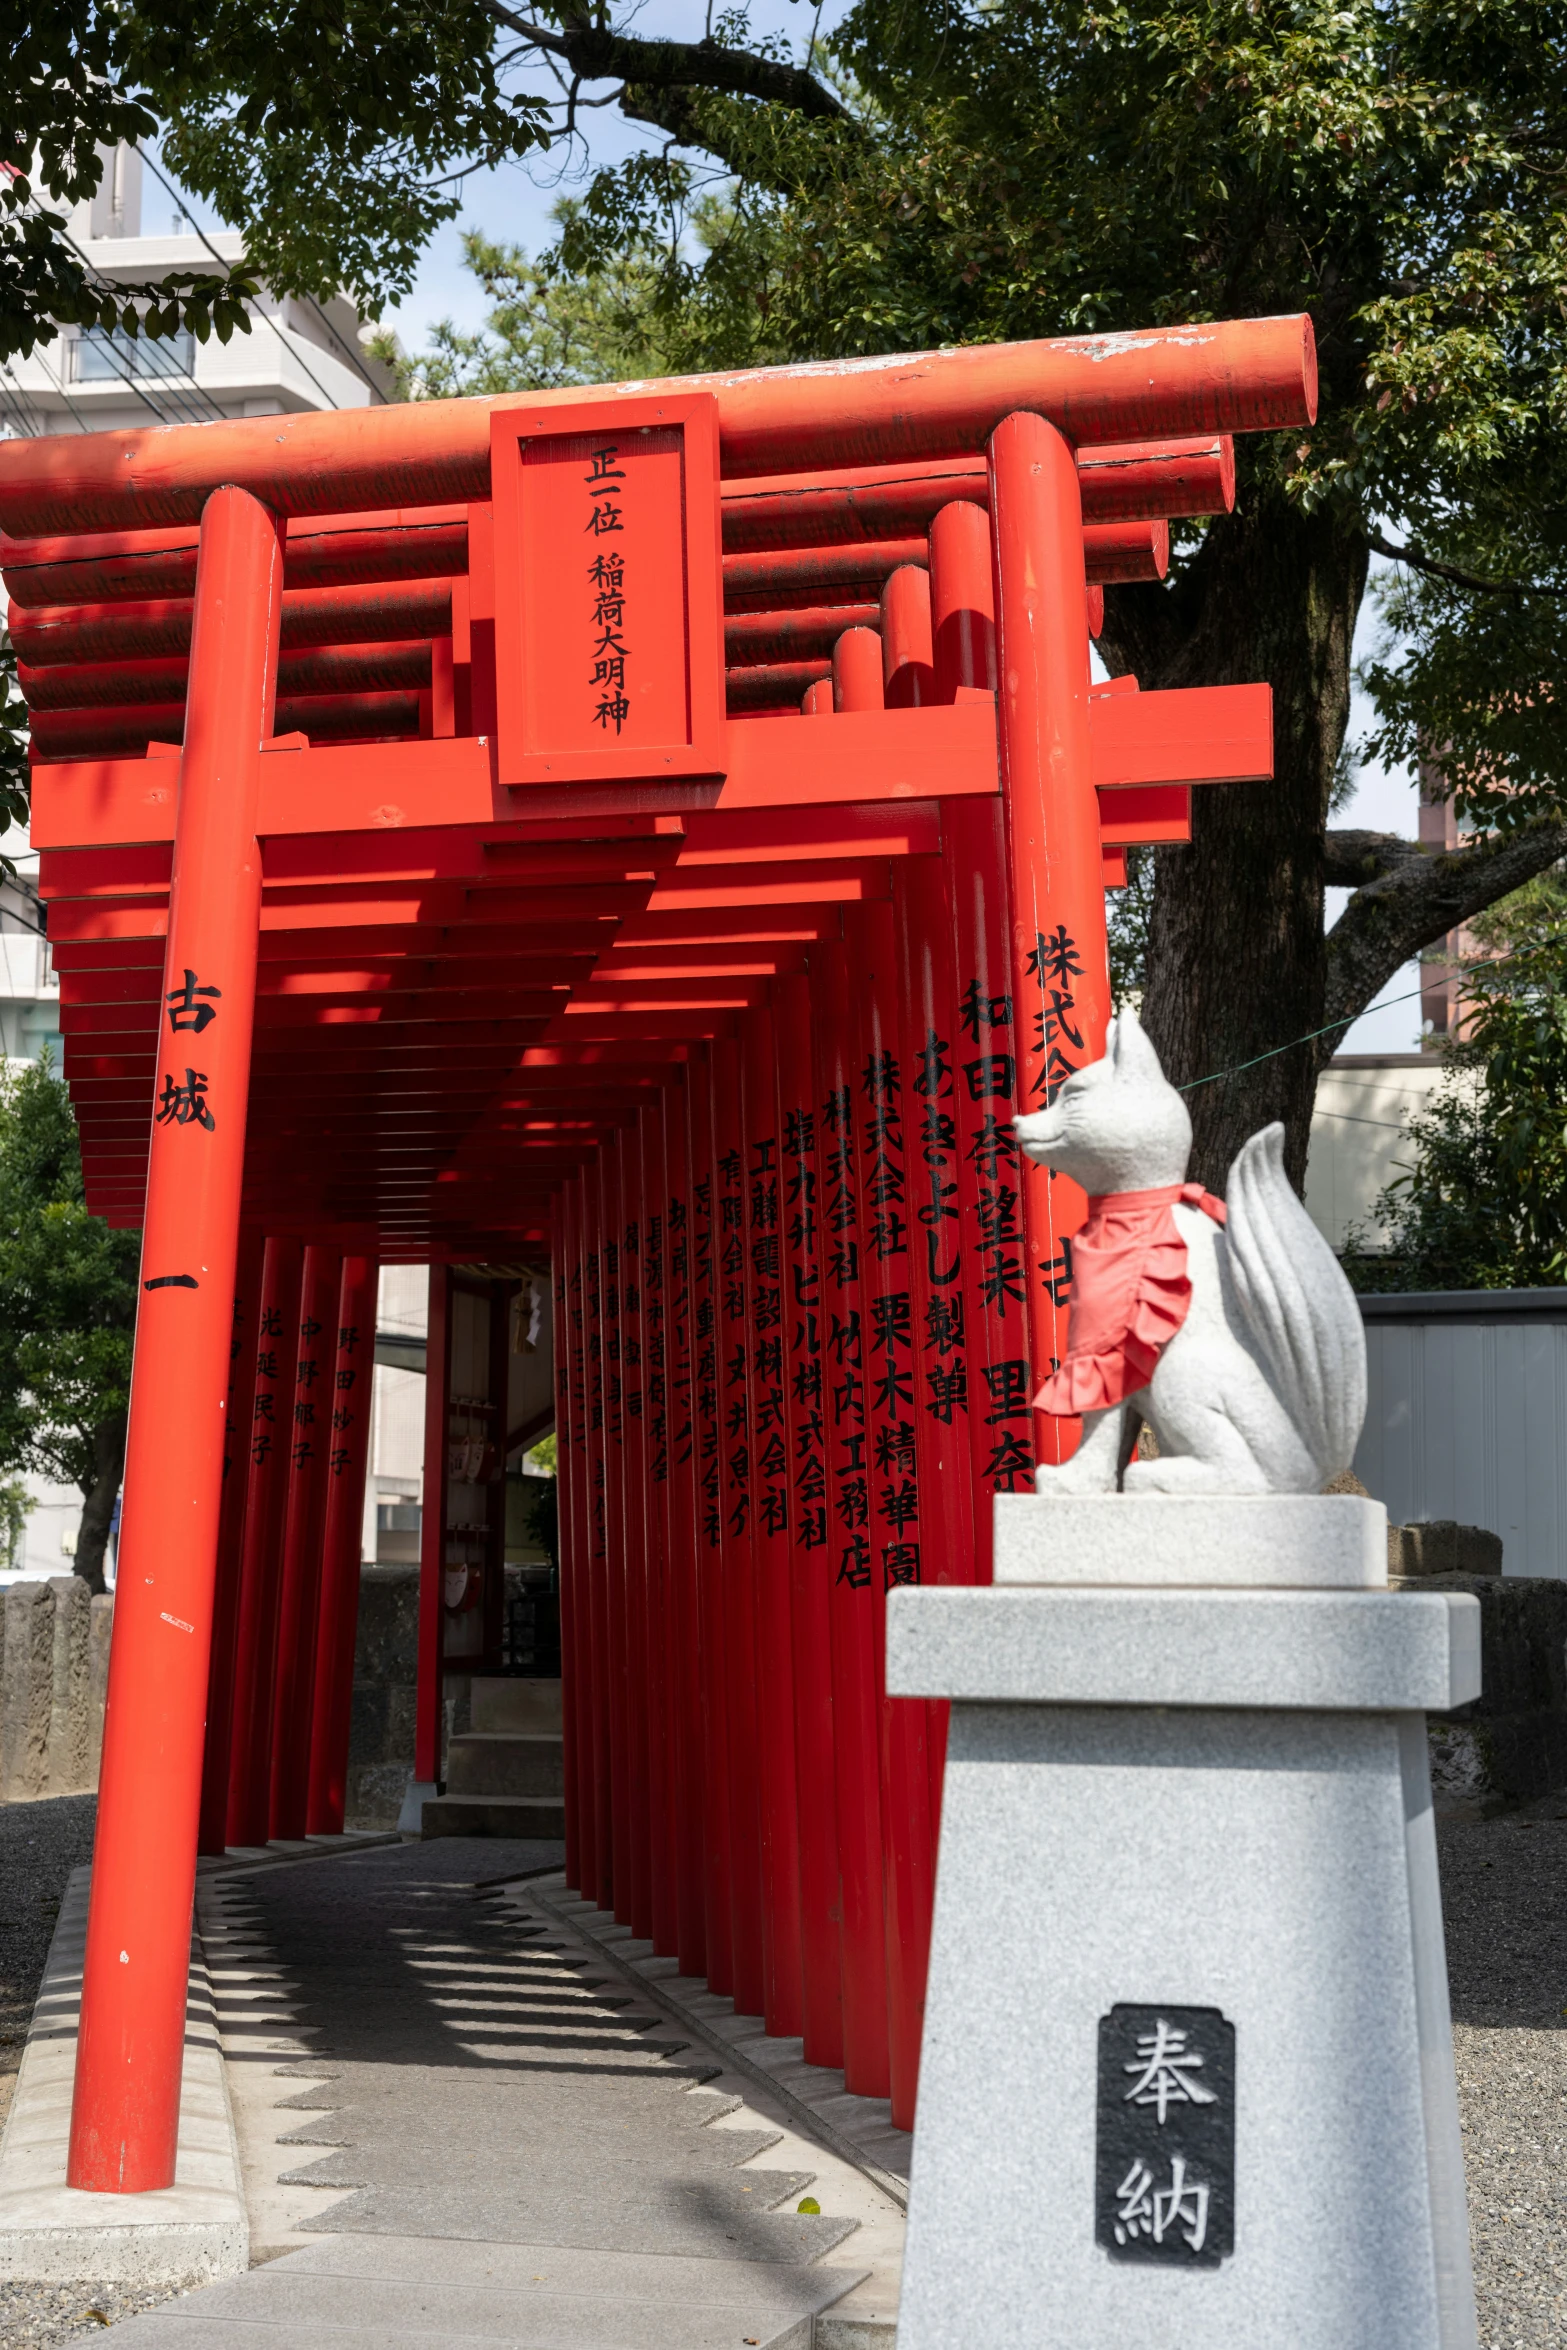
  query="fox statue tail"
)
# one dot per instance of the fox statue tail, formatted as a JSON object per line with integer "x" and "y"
{"x": 1298, "y": 1307}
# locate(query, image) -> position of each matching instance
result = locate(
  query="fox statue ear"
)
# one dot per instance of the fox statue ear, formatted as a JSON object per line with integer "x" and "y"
{"x": 1128, "y": 1048}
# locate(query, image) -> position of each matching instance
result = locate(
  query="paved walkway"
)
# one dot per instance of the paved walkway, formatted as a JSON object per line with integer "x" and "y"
{"x": 1505, "y": 1898}
{"x": 460, "y": 2122}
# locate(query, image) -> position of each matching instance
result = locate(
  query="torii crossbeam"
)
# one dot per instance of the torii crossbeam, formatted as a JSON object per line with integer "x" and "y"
{"x": 442, "y": 866}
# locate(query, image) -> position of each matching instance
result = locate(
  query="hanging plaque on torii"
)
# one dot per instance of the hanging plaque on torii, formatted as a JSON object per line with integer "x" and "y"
{"x": 608, "y": 592}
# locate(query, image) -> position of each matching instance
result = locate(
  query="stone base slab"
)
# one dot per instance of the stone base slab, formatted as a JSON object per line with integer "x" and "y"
{"x": 1273, "y": 1541}
{"x": 191, "y": 2232}
{"x": 1322, "y": 1651}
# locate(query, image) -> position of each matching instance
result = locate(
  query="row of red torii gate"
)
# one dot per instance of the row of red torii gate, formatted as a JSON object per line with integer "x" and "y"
{"x": 442, "y": 866}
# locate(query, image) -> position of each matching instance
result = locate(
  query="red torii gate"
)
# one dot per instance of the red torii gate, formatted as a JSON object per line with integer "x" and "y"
{"x": 431, "y": 838}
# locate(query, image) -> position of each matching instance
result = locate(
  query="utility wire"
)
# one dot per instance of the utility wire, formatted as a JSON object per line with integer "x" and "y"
{"x": 171, "y": 403}
{"x": 1348, "y": 1021}
{"x": 191, "y": 401}
{"x": 170, "y": 189}
{"x": 1348, "y": 1118}
{"x": 26, "y": 929}
{"x": 187, "y": 405}
{"x": 34, "y": 432}
{"x": 13, "y": 408}
{"x": 355, "y": 358}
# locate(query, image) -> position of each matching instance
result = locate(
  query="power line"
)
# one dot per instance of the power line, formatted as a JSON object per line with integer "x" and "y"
{"x": 355, "y": 358}
{"x": 192, "y": 400}
{"x": 292, "y": 348}
{"x": 58, "y": 380}
{"x": 1348, "y": 1118}
{"x": 1258, "y": 1058}
{"x": 13, "y": 408}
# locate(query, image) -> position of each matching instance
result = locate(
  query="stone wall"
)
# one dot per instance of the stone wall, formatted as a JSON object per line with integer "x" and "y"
{"x": 54, "y": 1673}
{"x": 1511, "y": 1744}
{"x": 1506, "y": 1748}
{"x": 386, "y": 1672}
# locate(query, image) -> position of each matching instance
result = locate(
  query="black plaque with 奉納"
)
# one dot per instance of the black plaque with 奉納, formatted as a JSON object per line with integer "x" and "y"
{"x": 1164, "y": 2172}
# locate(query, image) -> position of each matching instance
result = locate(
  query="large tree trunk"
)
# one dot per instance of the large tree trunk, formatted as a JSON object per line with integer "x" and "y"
{"x": 1237, "y": 962}
{"x": 92, "y": 1535}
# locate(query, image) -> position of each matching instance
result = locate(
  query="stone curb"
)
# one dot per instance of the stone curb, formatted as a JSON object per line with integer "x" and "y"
{"x": 191, "y": 2233}
{"x": 597, "y": 1928}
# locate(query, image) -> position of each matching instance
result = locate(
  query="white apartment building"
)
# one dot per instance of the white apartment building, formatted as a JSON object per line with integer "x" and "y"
{"x": 29, "y": 991}
{"x": 394, "y": 1486}
{"x": 299, "y": 355}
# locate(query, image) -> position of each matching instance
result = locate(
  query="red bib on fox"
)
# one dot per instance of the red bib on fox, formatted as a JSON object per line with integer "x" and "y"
{"x": 1130, "y": 1295}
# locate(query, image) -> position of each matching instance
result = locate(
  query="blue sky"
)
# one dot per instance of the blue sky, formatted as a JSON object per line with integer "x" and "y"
{"x": 513, "y": 204}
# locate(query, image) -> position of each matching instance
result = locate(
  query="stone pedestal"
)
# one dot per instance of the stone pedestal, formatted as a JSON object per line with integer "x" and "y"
{"x": 1187, "y": 2075}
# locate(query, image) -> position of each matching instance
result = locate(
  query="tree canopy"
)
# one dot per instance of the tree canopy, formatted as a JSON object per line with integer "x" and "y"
{"x": 1481, "y": 1201}
{"x": 68, "y": 90}
{"x": 1028, "y": 168}
{"x": 545, "y": 328}
{"x": 67, "y": 1310}
{"x": 943, "y": 171}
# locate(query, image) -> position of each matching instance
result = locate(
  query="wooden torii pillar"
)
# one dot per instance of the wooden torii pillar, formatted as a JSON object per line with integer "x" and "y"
{"x": 568, "y": 920}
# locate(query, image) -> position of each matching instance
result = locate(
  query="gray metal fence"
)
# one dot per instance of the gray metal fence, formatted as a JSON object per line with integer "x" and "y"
{"x": 1467, "y": 1415}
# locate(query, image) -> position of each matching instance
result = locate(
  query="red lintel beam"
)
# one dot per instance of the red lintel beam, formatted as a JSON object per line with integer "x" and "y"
{"x": 1135, "y": 481}
{"x": 808, "y": 634}
{"x": 858, "y": 568}
{"x": 316, "y": 669}
{"x": 326, "y": 551}
{"x": 1141, "y": 480}
{"x": 404, "y": 611}
{"x": 100, "y": 734}
{"x": 73, "y": 654}
{"x": 848, "y": 572}
{"x": 774, "y": 686}
{"x": 1247, "y": 375}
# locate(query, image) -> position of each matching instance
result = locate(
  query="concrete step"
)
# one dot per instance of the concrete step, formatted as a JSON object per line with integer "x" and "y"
{"x": 370, "y": 2292}
{"x": 531, "y": 1708}
{"x": 841, "y": 2329}
{"x": 502, "y": 1762}
{"x": 494, "y": 1815}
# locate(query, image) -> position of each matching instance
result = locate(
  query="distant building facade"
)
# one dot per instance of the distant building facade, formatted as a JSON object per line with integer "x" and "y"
{"x": 1358, "y": 1136}
{"x": 29, "y": 990}
{"x": 299, "y": 354}
{"x": 1443, "y": 1014}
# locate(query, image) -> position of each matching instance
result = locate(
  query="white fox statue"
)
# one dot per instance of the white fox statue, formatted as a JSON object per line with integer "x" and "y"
{"x": 1230, "y": 1329}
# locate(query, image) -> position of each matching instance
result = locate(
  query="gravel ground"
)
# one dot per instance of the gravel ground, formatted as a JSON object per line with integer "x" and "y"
{"x": 42, "y": 2317}
{"x": 40, "y": 1844}
{"x": 1504, "y": 1891}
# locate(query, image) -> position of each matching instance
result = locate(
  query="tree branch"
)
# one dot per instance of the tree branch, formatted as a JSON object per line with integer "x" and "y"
{"x": 1351, "y": 859}
{"x": 596, "y": 53}
{"x": 1450, "y": 571}
{"x": 676, "y": 114}
{"x": 669, "y": 111}
{"x": 1417, "y": 900}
